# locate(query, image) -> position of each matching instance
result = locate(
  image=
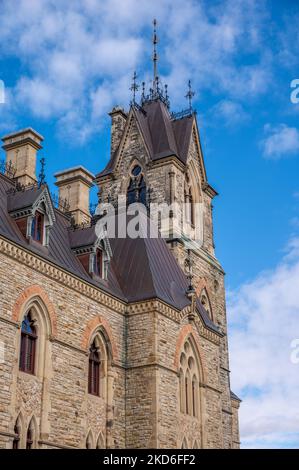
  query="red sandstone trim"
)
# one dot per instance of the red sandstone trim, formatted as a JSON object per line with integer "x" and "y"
{"x": 92, "y": 325}
{"x": 27, "y": 294}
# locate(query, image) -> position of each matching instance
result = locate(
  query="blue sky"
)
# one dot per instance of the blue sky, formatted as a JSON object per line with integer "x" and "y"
{"x": 66, "y": 64}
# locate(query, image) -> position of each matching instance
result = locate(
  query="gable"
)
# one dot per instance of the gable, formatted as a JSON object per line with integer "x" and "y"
{"x": 132, "y": 145}
{"x": 194, "y": 152}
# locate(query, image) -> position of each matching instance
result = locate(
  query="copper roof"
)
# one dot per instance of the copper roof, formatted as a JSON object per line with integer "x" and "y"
{"x": 140, "y": 269}
{"x": 163, "y": 136}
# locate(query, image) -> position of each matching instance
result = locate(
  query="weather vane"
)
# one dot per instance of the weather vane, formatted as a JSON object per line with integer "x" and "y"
{"x": 134, "y": 87}
{"x": 190, "y": 95}
{"x": 155, "y": 58}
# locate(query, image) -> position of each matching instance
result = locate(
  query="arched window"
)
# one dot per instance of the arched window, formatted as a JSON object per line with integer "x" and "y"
{"x": 189, "y": 391}
{"x": 94, "y": 370}
{"x": 37, "y": 227}
{"x": 16, "y": 440}
{"x": 30, "y": 436}
{"x": 89, "y": 441}
{"x": 136, "y": 191}
{"x": 191, "y": 208}
{"x": 205, "y": 302}
{"x": 18, "y": 432}
{"x": 185, "y": 444}
{"x": 98, "y": 263}
{"x": 182, "y": 394}
{"x": 28, "y": 345}
{"x": 189, "y": 202}
{"x": 101, "y": 442}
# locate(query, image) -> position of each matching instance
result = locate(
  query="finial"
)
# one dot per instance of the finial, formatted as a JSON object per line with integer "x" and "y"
{"x": 155, "y": 57}
{"x": 134, "y": 87}
{"x": 189, "y": 269}
{"x": 190, "y": 95}
{"x": 166, "y": 95}
{"x": 41, "y": 176}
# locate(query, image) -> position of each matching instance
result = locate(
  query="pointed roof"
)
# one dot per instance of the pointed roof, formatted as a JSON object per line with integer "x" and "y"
{"x": 146, "y": 269}
{"x": 162, "y": 135}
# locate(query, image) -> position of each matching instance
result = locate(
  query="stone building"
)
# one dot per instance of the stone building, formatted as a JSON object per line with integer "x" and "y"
{"x": 113, "y": 341}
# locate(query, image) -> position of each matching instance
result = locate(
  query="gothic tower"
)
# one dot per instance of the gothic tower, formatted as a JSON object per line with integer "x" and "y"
{"x": 157, "y": 159}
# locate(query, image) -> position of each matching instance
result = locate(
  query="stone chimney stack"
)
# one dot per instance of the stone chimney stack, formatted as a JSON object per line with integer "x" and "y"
{"x": 21, "y": 148}
{"x": 118, "y": 122}
{"x": 74, "y": 185}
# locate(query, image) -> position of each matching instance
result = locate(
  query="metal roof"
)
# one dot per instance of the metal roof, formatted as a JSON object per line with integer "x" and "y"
{"x": 163, "y": 136}
{"x": 140, "y": 269}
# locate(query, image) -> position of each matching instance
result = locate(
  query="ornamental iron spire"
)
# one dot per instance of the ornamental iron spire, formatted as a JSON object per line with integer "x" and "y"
{"x": 41, "y": 176}
{"x": 155, "y": 58}
{"x": 134, "y": 87}
{"x": 143, "y": 93}
{"x": 190, "y": 95}
{"x": 189, "y": 272}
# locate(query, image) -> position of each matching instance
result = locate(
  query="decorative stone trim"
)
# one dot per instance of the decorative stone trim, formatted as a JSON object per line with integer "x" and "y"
{"x": 92, "y": 325}
{"x": 9, "y": 322}
{"x": 203, "y": 331}
{"x": 27, "y": 294}
{"x": 58, "y": 274}
{"x": 55, "y": 445}
{"x": 7, "y": 434}
{"x": 67, "y": 345}
{"x": 154, "y": 305}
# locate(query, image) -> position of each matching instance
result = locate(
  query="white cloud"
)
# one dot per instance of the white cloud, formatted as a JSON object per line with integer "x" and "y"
{"x": 263, "y": 322}
{"x": 231, "y": 112}
{"x": 73, "y": 52}
{"x": 280, "y": 141}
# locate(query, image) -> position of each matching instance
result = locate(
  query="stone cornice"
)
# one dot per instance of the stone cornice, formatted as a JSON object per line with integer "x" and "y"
{"x": 154, "y": 305}
{"x": 50, "y": 270}
{"x": 58, "y": 274}
{"x": 178, "y": 316}
{"x": 203, "y": 331}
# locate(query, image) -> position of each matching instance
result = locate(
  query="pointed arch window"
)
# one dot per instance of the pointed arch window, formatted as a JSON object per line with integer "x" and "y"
{"x": 100, "y": 442}
{"x": 98, "y": 263}
{"x": 89, "y": 441}
{"x": 37, "y": 227}
{"x": 30, "y": 436}
{"x": 189, "y": 381}
{"x": 205, "y": 301}
{"x": 16, "y": 440}
{"x": 136, "y": 191}
{"x": 94, "y": 370}
{"x": 28, "y": 345}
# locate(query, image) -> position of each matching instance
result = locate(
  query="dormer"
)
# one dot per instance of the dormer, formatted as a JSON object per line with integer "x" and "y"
{"x": 33, "y": 211}
{"x": 93, "y": 253}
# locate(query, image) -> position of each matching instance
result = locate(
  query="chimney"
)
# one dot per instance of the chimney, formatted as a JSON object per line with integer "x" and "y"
{"x": 118, "y": 122}
{"x": 74, "y": 185}
{"x": 21, "y": 148}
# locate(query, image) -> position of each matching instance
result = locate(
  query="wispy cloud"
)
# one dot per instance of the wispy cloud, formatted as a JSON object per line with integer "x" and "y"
{"x": 263, "y": 320}
{"x": 229, "y": 112}
{"x": 78, "y": 56}
{"x": 280, "y": 141}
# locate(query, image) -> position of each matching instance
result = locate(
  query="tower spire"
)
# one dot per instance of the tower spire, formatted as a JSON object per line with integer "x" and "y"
{"x": 134, "y": 87}
{"x": 155, "y": 59}
{"x": 189, "y": 95}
